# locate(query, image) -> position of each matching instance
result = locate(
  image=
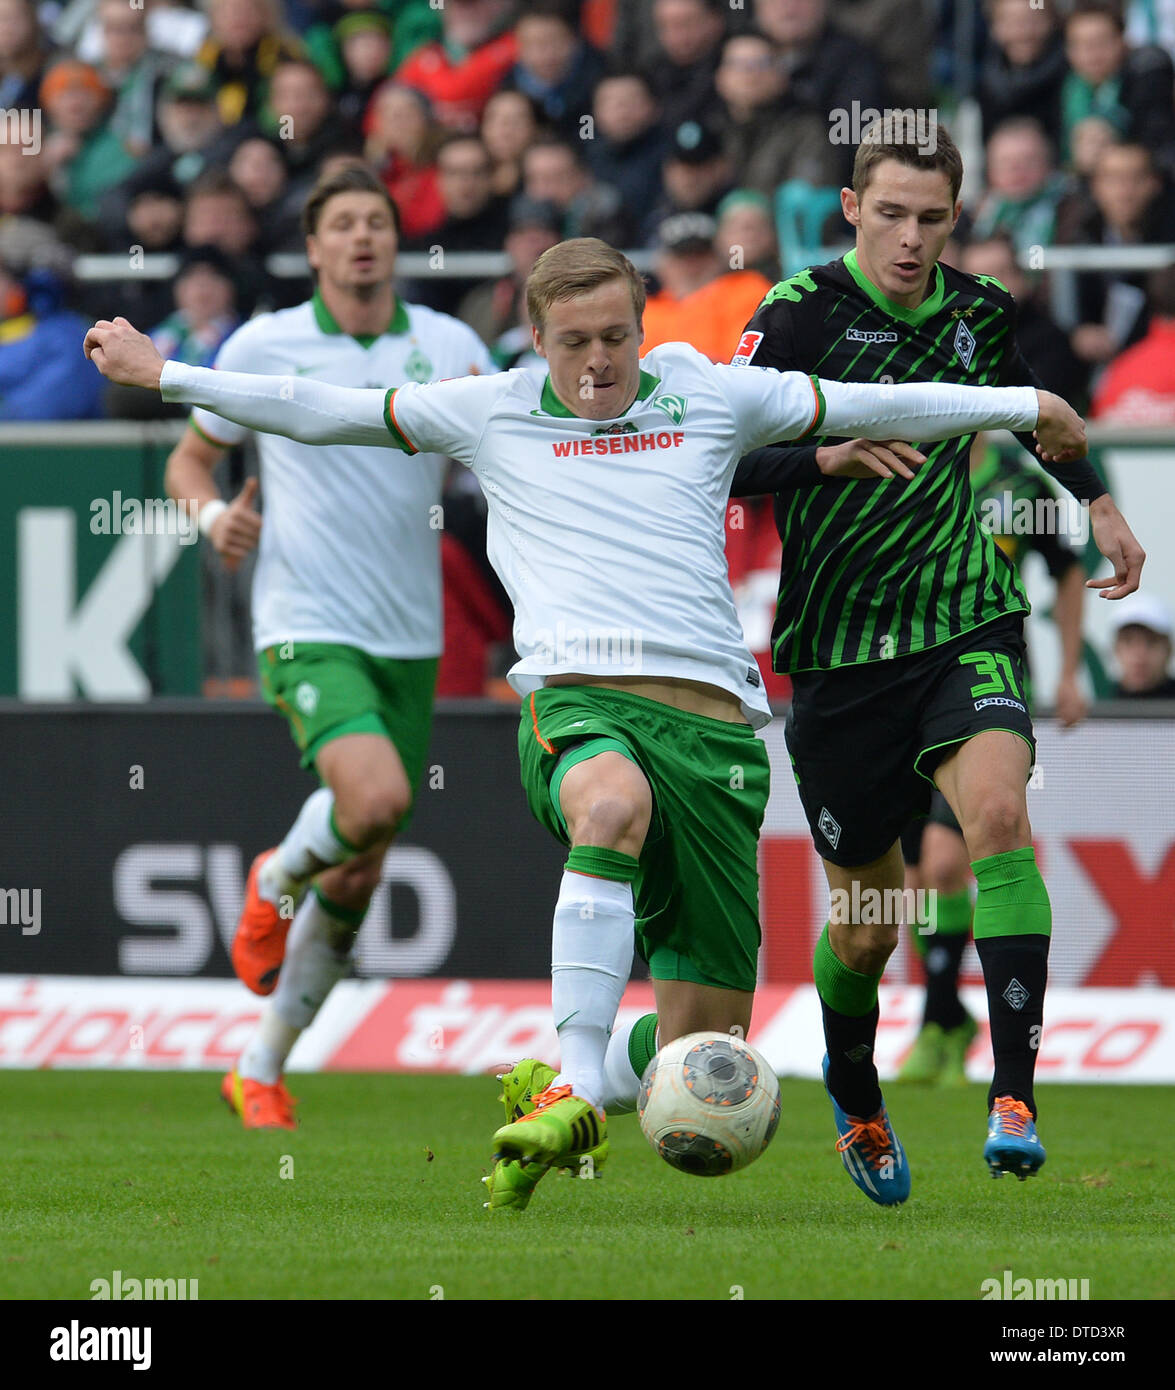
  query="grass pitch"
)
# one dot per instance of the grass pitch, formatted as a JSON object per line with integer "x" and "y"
{"x": 377, "y": 1196}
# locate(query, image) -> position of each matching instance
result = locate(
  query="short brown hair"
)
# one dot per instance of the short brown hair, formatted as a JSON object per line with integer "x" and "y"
{"x": 216, "y": 183}
{"x": 353, "y": 178}
{"x": 576, "y": 267}
{"x": 874, "y": 148}
{"x": 1108, "y": 10}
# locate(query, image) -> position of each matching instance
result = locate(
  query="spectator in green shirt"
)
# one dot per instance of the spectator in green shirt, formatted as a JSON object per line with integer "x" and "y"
{"x": 83, "y": 153}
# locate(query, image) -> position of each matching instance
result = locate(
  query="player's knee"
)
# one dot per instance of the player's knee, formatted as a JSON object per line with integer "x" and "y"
{"x": 999, "y": 824}
{"x": 880, "y": 939}
{"x": 864, "y": 946}
{"x": 614, "y": 820}
{"x": 373, "y": 813}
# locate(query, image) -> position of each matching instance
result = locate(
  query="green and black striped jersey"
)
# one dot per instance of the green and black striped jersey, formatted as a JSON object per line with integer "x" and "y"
{"x": 876, "y": 569}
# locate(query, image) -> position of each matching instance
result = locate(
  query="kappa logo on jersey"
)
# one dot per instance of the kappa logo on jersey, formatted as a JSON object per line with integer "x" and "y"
{"x": 673, "y": 406}
{"x": 863, "y": 335}
{"x": 748, "y": 345}
{"x": 964, "y": 344}
{"x": 828, "y": 827}
{"x": 619, "y": 443}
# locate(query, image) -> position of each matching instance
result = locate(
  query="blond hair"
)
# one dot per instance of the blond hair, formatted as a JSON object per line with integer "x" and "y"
{"x": 577, "y": 267}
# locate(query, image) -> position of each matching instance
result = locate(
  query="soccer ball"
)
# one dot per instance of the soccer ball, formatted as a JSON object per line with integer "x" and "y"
{"x": 708, "y": 1104}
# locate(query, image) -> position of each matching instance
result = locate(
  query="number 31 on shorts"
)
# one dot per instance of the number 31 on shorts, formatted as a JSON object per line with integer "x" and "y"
{"x": 991, "y": 664}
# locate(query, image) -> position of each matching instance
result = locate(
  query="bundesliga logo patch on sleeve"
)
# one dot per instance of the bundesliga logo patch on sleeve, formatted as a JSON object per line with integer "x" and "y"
{"x": 748, "y": 345}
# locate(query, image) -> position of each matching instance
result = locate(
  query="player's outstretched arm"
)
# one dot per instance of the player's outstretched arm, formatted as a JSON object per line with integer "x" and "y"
{"x": 299, "y": 408}
{"x": 1117, "y": 542}
{"x": 928, "y": 411}
{"x": 769, "y": 406}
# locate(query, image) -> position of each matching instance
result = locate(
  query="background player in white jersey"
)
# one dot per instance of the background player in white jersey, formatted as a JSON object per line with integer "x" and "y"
{"x": 607, "y": 488}
{"x": 346, "y": 610}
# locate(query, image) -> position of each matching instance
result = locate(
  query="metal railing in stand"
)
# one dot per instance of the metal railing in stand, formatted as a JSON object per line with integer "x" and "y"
{"x": 410, "y": 265}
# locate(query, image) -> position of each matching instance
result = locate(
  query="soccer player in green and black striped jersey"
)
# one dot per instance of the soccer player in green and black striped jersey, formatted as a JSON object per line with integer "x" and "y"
{"x": 900, "y": 625}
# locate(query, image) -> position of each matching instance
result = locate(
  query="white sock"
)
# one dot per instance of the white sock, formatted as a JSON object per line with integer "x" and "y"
{"x": 621, "y": 1084}
{"x": 591, "y": 956}
{"x": 310, "y": 843}
{"x": 265, "y": 1055}
{"x": 317, "y": 957}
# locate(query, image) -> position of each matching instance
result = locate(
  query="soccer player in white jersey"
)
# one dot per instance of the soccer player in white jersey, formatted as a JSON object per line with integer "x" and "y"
{"x": 346, "y": 610}
{"x": 607, "y": 482}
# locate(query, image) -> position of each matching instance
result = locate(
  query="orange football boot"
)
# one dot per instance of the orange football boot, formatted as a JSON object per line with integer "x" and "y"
{"x": 258, "y": 1105}
{"x": 259, "y": 946}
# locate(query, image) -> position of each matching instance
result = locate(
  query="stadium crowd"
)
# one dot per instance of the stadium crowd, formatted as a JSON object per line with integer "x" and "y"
{"x": 702, "y": 131}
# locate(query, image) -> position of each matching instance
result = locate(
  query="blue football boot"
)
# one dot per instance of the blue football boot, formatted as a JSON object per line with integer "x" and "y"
{"x": 1012, "y": 1145}
{"x": 871, "y": 1153}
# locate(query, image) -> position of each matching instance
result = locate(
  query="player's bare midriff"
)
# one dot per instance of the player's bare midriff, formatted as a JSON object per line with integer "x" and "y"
{"x": 694, "y": 697}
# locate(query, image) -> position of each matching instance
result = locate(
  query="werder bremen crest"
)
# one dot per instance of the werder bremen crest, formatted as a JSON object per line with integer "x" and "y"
{"x": 418, "y": 367}
{"x": 673, "y": 406}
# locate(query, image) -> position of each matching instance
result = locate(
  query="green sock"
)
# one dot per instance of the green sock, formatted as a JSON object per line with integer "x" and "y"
{"x": 1013, "y": 924}
{"x": 848, "y": 1003}
{"x": 350, "y": 916}
{"x": 625, "y": 1062}
{"x": 844, "y": 990}
{"x": 602, "y": 863}
{"x": 951, "y": 914}
{"x": 1012, "y": 898}
{"x": 642, "y": 1043}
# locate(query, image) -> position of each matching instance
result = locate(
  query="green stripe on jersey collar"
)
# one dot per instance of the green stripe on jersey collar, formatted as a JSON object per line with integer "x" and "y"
{"x": 550, "y": 404}
{"x": 929, "y": 306}
{"x": 327, "y": 323}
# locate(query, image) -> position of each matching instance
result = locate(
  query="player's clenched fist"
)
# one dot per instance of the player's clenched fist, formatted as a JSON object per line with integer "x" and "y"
{"x": 237, "y": 529}
{"x": 1060, "y": 431}
{"x": 124, "y": 355}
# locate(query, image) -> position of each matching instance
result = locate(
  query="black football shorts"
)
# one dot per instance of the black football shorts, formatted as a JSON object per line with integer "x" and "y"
{"x": 865, "y": 740}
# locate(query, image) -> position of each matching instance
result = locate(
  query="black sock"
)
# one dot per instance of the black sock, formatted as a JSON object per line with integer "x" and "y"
{"x": 943, "y": 957}
{"x": 852, "y": 1074}
{"x": 1015, "y": 971}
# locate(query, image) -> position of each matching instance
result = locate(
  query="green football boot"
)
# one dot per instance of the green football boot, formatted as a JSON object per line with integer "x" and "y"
{"x": 512, "y": 1182}
{"x": 521, "y": 1084}
{"x": 925, "y": 1059}
{"x": 955, "y": 1043}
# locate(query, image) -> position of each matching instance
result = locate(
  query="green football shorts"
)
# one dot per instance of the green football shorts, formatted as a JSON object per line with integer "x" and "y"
{"x": 326, "y": 690}
{"x": 696, "y": 890}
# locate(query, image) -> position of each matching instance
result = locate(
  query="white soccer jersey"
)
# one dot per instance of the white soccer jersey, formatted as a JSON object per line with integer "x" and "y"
{"x": 608, "y": 535}
{"x": 350, "y": 548}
